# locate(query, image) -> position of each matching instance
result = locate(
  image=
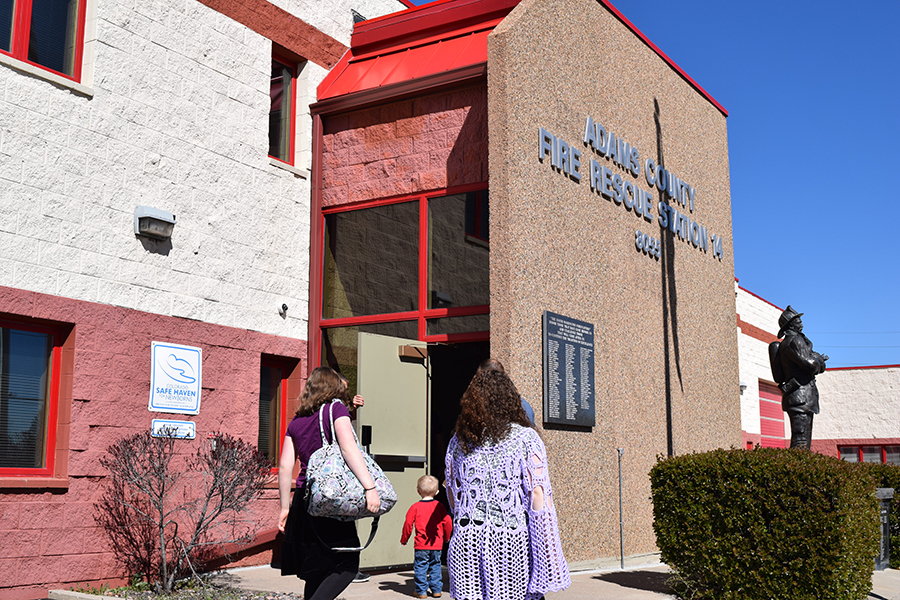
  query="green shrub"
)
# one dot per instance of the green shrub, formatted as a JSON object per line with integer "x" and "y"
{"x": 888, "y": 476}
{"x": 766, "y": 524}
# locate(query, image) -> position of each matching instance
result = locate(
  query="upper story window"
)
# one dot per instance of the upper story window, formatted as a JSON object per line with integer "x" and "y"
{"x": 29, "y": 388}
{"x": 47, "y": 33}
{"x": 282, "y": 111}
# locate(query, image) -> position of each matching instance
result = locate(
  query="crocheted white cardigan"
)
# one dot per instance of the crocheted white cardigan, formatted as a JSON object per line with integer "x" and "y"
{"x": 501, "y": 547}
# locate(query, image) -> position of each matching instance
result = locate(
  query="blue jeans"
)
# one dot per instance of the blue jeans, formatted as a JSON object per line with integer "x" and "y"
{"x": 427, "y": 568}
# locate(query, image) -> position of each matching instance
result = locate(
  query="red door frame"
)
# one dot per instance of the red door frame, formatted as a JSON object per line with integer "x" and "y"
{"x": 422, "y": 314}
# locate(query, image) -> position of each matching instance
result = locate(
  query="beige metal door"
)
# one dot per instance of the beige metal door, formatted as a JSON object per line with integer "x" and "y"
{"x": 396, "y": 419}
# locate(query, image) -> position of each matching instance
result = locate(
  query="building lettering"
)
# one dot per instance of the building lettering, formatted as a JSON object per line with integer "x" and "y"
{"x": 675, "y": 192}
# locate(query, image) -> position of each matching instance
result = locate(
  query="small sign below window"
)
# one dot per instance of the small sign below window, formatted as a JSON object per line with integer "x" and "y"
{"x": 183, "y": 430}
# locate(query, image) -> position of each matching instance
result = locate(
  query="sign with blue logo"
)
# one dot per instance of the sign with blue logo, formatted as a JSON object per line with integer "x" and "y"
{"x": 183, "y": 430}
{"x": 175, "y": 376}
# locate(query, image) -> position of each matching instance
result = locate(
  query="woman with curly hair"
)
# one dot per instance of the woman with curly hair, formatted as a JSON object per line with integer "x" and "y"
{"x": 505, "y": 543}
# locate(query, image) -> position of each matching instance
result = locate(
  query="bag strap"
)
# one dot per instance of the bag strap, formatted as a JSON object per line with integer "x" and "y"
{"x": 369, "y": 541}
{"x": 372, "y": 531}
{"x": 321, "y": 426}
{"x": 330, "y": 420}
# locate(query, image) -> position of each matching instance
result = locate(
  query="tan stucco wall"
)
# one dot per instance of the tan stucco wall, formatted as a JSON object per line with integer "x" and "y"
{"x": 666, "y": 324}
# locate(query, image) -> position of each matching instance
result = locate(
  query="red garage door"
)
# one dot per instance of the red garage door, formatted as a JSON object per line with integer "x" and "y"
{"x": 771, "y": 417}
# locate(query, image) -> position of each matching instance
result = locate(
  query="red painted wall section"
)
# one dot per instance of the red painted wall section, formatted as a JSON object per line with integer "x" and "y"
{"x": 48, "y": 537}
{"x": 750, "y": 440}
{"x": 414, "y": 145}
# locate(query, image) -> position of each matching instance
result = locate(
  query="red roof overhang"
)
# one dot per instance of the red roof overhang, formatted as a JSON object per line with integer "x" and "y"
{"x": 427, "y": 47}
{"x": 431, "y": 45}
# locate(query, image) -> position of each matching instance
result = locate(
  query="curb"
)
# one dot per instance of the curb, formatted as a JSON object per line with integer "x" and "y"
{"x": 70, "y": 595}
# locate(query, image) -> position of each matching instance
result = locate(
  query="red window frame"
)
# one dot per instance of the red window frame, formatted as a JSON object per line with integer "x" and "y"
{"x": 56, "y": 340}
{"x": 21, "y": 30}
{"x": 476, "y": 232}
{"x": 422, "y": 314}
{"x": 292, "y": 113}
{"x": 286, "y": 367}
{"x": 859, "y": 451}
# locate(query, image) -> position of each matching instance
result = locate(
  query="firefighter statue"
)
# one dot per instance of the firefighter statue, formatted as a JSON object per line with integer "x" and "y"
{"x": 794, "y": 367}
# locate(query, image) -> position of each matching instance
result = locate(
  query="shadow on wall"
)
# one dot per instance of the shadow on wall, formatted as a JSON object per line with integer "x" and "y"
{"x": 161, "y": 247}
{"x": 468, "y": 159}
{"x": 669, "y": 297}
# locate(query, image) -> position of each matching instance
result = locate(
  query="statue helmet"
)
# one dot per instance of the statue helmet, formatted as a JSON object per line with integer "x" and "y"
{"x": 785, "y": 319}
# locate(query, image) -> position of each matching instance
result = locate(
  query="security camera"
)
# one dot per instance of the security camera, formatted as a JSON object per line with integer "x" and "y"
{"x": 283, "y": 311}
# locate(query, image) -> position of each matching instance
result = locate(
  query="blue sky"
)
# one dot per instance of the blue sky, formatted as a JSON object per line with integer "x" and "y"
{"x": 812, "y": 93}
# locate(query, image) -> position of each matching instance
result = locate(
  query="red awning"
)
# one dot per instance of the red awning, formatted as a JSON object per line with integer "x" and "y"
{"x": 415, "y": 43}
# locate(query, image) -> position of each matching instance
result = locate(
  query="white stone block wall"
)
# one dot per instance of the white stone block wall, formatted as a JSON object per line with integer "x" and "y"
{"x": 757, "y": 312}
{"x": 753, "y": 354}
{"x": 858, "y": 404}
{"x": 177, "y": 119}
{"x": 334, "y": 17}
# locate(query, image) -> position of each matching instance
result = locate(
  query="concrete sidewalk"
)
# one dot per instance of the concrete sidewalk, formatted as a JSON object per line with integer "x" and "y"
{"x": 641, "y": 583}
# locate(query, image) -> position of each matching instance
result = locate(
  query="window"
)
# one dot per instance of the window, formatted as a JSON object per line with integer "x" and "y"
{"x": 272, "y": 404}
{"x": 477, "y": 216}
{"x": 405, "y": 267}
{"x": 871, "y": 454}
{"x": 279, "y": 381}
{"x": 29, "y": 394}
{"x": 47, "y": 33}
{"x": 283, "y": 96}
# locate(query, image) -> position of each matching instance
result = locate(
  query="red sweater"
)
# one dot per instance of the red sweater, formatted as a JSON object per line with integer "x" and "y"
{"x": 432, "y": 523}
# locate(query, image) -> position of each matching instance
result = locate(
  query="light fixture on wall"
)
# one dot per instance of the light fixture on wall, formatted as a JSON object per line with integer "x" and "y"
{"x": 743, "y": 387}
{"x": 153, "y": 223}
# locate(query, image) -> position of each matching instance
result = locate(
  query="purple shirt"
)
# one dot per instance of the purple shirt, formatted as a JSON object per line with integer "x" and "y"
{"x": 304, "y": 431}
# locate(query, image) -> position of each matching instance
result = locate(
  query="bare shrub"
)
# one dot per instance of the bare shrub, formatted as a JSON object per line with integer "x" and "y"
{"x": 164, "y": 510}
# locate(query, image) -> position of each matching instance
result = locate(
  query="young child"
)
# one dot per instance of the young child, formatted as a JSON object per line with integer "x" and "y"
{"x": 433, "y": 527}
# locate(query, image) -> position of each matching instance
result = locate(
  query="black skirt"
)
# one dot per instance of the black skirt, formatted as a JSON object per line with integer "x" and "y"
{"x": 306, "y": 549}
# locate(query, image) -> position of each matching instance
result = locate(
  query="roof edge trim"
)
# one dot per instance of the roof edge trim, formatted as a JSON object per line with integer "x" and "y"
{"x": 662, "y": 55}
{"x": 398, "y": 91}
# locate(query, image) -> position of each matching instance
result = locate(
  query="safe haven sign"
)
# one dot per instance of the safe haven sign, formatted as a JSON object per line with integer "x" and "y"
{"x": 175, "y": 378}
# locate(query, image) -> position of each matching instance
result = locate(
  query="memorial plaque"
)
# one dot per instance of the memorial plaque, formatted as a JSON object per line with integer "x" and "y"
{"x": 568, "y": 371}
